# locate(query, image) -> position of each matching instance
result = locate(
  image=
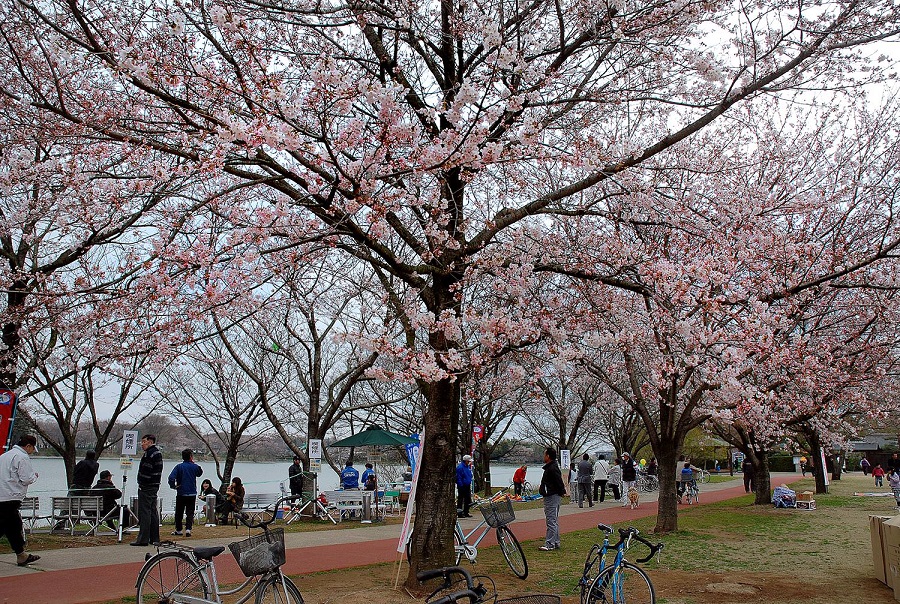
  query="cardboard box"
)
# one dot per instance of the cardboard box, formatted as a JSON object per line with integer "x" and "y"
{"x": 891, "y": 530}
{"x": 876, "y": 530}
{"x": 805, "y": 496}
{"x": 806, "y": 505}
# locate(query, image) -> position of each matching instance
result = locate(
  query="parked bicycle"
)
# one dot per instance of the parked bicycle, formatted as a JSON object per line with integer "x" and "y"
{"x": 647, "y": 483}
{"x": 595, "y": 562}
{"x": 465, "y": 589}
{"x": 498, "y": 513}
{"x": 187, "y": 575}
{"x": 527, "y": 490}
{"x": 621, "y": 581}
{"x": 703, "y": 476}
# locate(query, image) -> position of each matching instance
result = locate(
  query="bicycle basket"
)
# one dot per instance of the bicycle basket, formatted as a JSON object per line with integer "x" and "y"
{"x": 260, "y": 553}
{"x": 498, "y": 513}
{"x": 533, "y": 599}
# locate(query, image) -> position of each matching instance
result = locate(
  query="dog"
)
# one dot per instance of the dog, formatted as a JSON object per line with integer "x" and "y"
{"x": 634, "y": 497}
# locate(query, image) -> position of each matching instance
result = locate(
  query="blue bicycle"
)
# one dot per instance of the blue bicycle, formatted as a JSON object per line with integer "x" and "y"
{"x": 595, "y": 562}
{"x": 620, "y": 581}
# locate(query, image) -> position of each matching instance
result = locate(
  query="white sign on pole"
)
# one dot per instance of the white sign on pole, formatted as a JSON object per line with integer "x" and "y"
{"x": 565, "y": 458}
{"x": 129, "y": 442}
{"x": 315, "y": 448}
{"x": 406, "y": 528}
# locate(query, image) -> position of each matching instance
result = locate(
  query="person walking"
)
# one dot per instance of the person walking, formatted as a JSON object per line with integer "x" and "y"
{"x": 749, "y": 474}
{"x": 16, "y": 474}
{"x": 878, "y": 473}
{"x": 865, "y": 465}
{"x": 83, "y": 477}
{"x": 803, "y": 466}
{"x": 629, "y": 476}
{"x": 183, "y": 478}
{"x": 552, "y": 489}
{"x": 615, "y": 478}
{"x": 295, "y": 476}
{"x": 464, "y": 486}
{"x": 601, "y": 477}
{"x": 585, "y": 478}
{"x": 148, "y": 479}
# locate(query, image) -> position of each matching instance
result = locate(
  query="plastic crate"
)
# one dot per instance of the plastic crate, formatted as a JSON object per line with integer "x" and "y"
{"x": 260, "y": 553}
{"x": 498, "y": 513}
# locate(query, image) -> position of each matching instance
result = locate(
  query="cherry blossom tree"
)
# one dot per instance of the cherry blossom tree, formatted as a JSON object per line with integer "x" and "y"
{"x": 423, "y": 136}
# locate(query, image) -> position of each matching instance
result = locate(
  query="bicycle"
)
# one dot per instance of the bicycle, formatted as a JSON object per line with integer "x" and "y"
{"x": 692, "y": 492}
{"x": 527, "y": 490}
{"x": 622, "y": 581}
{"x": 596, "y": 558}
{"x": 498, "y": 513}
{"x": 647, "y": 483}
{"x": 187, "y": 575}
{"x": 465, "y": 589}
{"x": 703, "y": 477}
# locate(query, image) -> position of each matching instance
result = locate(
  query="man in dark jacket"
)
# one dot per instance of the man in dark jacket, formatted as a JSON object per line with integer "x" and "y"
{"x": 106, "y": 489}
{"x": 629, "y": 476}
{"x": 148, "y": 479}
{"x": 183, "y": 479}
{"x": 553, "y": 490}
{"x": 464, "y": 486}
{"x": 747, "y": 469}
{"x": 295, "y": 476}
{"x": 83, "y": 478}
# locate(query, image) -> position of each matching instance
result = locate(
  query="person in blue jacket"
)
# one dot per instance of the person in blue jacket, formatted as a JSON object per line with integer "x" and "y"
{"x": 350, "y": 477}
{"x": 366, "y": 473}
{"x": 464, "y": 486}
{"x": 183, "y": 479}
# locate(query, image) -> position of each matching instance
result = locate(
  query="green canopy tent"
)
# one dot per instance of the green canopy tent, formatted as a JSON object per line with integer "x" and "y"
{"x": 374, "y": 436}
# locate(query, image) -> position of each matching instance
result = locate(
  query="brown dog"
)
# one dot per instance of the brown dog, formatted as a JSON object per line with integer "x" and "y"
{"x": 634, "y": 497}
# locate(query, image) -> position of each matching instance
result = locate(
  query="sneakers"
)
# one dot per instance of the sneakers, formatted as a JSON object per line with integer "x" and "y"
{"x": 548, "y": 548}
{"x": 177, "y": 533}
{"x": 187, "y": 533}
{"x": 28, "y": 560}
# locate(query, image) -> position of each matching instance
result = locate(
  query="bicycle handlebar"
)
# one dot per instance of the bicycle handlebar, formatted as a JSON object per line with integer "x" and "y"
{"x": 473, "y": 596}
{"x": 264, "y": 524}
{"x": 445, "y": 572}
{"x": 633, "y": 533}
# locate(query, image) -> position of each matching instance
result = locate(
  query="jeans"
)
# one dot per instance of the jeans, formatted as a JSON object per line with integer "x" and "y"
{"x": 584, "y": 492}
{"x": 148, "y": 515}
{"x": 551, "y": 513}
{"x": 626, "y": 486}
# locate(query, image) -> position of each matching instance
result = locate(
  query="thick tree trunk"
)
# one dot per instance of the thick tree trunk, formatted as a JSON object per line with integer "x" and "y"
{"x": 837, "y": 465}
{"x": 667, "y": 518}
{"x": 816, "y": 454}
{"x": 762, "y": 478}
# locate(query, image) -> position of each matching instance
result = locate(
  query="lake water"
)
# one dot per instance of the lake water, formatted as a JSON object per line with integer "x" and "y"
{"x": 258, "y": 477}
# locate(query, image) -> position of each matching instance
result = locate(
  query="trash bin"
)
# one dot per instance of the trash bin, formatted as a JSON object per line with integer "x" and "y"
{"x": 210, "y": 510}
{"x": 367, "y": 506}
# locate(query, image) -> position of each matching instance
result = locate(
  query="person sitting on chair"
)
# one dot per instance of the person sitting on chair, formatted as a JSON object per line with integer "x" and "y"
{"x": 350, "y": 477}
{"x": 234, "y": 500}
{"x": 106, "y": 489}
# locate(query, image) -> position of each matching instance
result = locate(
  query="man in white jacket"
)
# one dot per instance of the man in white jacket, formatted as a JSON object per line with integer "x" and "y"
{"x": 16, "y": 474}
{"x": 601, "y": 477}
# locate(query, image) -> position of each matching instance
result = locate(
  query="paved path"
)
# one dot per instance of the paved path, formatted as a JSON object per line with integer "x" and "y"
{"x": 91, "y": 574}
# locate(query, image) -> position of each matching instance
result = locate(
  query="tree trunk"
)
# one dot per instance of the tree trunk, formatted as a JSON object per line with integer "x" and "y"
{"x": 762, "y": 478}
{"x": 816, "y": 454}
{"x": 432, "y": 536}
{"x": 837, "y": 465}
{"x": 667, "y": 518}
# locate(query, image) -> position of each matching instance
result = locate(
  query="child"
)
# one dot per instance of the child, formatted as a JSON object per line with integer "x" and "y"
{"x": 687, "y": 478}
{"x": 894, "y": 483}
{"x": 878, "y": 473}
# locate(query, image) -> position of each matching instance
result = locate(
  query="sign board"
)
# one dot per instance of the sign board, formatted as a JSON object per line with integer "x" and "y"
{"x": 315, "y": 448}
{"x": 129, "y": 442}
{"x": 315, "y": 465}
{"x": 125, "y": 463}
{"x": 406, "y": 529}
{"x": 374, "y": 457}
{"x": 412, "y": 452}
{"x": 565, "y": 459}
{"x": 7, "y": 411}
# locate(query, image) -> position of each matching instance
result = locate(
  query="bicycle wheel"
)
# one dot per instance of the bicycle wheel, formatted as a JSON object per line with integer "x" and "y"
{"x": 170, "y": 573}
{"x": 591, "y": 564}
{"x": 270, "y": 591}
{"x": 704, "y": 477}
{"x": 512, "y": 551}
{"x": 526, "y": 489}
{"x": 623, "y": 584}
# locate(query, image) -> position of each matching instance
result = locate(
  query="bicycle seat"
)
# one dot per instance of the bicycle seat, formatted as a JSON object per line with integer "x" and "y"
{"x": 208, "y": 553}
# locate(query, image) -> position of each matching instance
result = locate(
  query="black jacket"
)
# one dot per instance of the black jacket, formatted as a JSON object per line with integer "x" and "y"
{"x": 551, "y": 481}
{"x": 85, "y": 470}
{"x": 109, "y": 492}
{"x": 629, "y": 472}
{"x": 295, "y": 473}
{"x": 150, "y": 471}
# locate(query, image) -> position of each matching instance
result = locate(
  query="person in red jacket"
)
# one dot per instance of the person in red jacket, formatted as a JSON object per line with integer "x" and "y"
{"x": 519, "y": 479}
{"x": 878, "y": 473}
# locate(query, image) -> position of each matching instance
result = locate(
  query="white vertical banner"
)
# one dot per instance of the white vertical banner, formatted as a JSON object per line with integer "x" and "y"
{"x": 129, "y": 442}
{"x": 565, "y": 458}
{"x": 410, "y": 504}
{"x": 824, "y": 466}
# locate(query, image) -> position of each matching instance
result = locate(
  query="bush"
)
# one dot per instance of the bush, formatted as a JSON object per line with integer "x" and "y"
{"x": 780, "y": 462}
